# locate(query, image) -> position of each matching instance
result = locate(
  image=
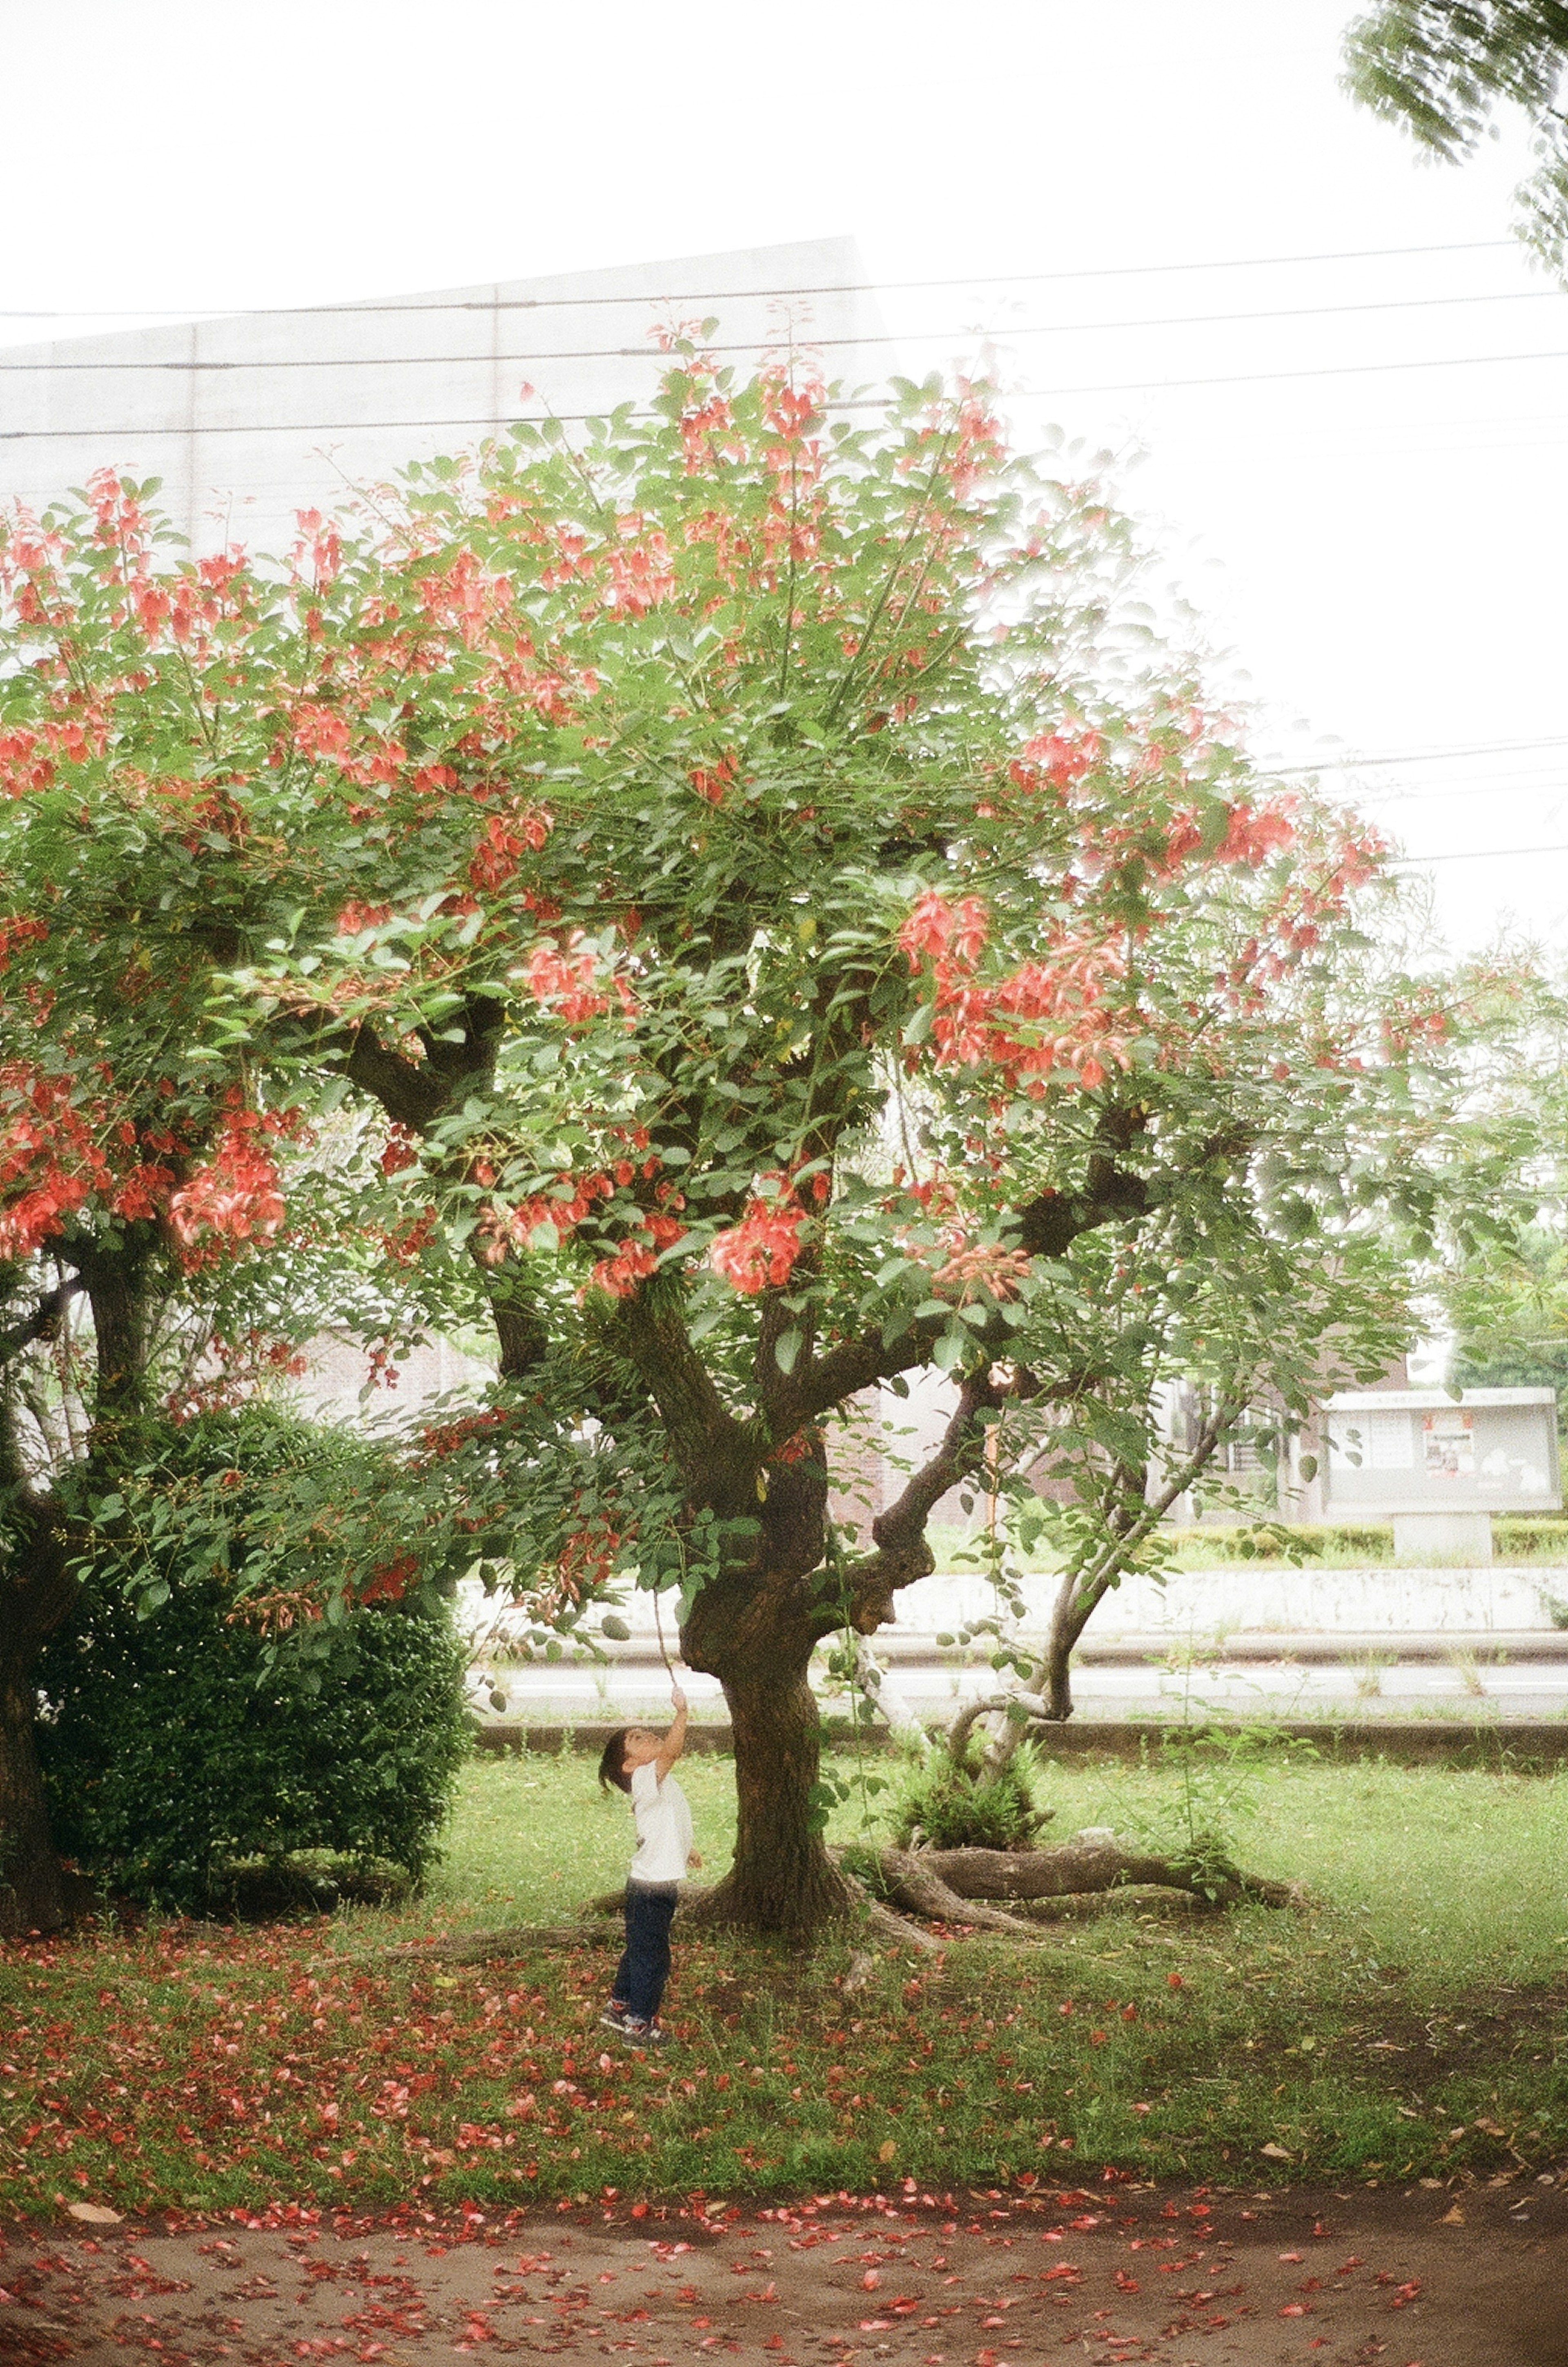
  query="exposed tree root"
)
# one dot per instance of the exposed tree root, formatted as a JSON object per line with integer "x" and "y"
{"x": 938, "y": 1885}
{"x": 950, "y": 1885}
{"x": 898, "y": 1928}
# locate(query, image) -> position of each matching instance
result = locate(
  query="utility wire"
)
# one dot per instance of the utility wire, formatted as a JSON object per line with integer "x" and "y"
{"x": 1476, "y": 853}
{"x": 751, "y": 345}
{"x": 1493, "y": 786}
{"x": 725, "y": 295}
{"x": 1413, "y": 757}
{"x": 1260, "y": 378}
{"x": 851, "y": 403}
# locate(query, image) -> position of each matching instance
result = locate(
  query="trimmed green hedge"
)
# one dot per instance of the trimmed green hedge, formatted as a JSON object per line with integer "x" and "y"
{"x": 1514, "y": 1535}
{"x": 177, "y": 1744}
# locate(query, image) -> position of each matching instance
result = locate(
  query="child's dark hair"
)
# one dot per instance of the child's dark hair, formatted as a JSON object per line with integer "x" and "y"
{"x": 612, "y": 1762}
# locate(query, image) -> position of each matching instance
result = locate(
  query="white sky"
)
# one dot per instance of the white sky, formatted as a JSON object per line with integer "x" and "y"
{"x": 1381, "y": 551}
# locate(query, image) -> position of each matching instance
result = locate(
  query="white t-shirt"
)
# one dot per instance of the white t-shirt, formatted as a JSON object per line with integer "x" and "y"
{"x": 663, "y": 1826}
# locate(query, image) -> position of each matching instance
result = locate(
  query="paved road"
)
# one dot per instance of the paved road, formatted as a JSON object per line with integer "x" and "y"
{"x": 1430, "y": 1673}
{"x": 1176, "y": 2278}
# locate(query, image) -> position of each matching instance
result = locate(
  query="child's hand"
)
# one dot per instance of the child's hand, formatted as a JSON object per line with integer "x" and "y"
{"x": 678, "y": 1697}
{"x": 694, "y": 1860}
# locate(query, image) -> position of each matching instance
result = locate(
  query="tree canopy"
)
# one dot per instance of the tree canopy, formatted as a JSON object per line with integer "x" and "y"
{"x": 752, "y": 906}
{"x": 1439, "y": 68}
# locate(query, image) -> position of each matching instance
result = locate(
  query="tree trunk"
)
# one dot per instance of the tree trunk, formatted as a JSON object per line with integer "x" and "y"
{"x": 783, "y": 1879}
{"x": 119, "y": 1287}
{"x": 33, "y": 1890}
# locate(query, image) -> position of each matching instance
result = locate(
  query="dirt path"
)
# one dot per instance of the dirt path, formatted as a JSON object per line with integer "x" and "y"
{"x": 1181, "y": 2277}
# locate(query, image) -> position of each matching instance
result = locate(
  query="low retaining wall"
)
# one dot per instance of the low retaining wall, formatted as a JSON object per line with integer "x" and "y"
{"x": 1412, "y": 1742}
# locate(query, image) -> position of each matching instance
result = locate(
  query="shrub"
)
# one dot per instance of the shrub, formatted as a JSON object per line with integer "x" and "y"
{"x": 944, "y": 1805}
{"x": 177, "y": 1744}
{"x": 180, "y": 1739}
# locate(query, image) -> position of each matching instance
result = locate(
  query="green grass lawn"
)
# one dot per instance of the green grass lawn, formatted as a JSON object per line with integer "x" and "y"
{"x": 1410, "y": 2024}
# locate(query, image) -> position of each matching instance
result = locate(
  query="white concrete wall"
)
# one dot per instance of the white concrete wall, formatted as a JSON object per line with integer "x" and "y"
{"x": 251, "y": 418}
{"x": 1240, "y": 1600}
{"x": 330, "y": 1388}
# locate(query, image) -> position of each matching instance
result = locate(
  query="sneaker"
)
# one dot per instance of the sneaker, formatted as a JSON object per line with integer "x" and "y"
{"x": 656, "y": 2034}
{"x": 618, "y": 2017}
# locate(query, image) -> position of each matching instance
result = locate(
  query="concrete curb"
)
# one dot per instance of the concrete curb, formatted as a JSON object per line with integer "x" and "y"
{"x": 1407, "y": 1742}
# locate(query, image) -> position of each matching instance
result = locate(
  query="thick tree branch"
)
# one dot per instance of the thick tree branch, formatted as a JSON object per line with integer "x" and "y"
{"x": 713, "y": 1452}
{"x": 902, "y": 1554}
{"x": 417, "y": 1092}
{"x": 1047, "y": 1228}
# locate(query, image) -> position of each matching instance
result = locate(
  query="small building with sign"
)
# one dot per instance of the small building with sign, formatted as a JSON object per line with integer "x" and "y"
{"x": 1437, "y": 1466}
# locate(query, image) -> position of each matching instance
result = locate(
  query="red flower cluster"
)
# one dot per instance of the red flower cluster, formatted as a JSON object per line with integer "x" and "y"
{"x": 441, "y": 1438}
{"x": 635, "y": 1258}
{"x": 20, "y": 931}
{"x": 710, "y": 781}
{"x": 1052, "y": 760}
{"x": 355, "y": 918}
{"x": 936, "y": 926}
{"x": 320, "y": 547}
{"x": 702, "y": 435}
{"x": 501, "y": 1230}
{"x": 402, "y": 1151}
{"x": 392, "y": 1582}
{"x": 237, "y": 1195}
{"x": 760, "y": 1252}
{"x": 500, "y": 848}
{"x": 25, "y": 764}
{"x": 565, "y": 984}
{"x": 320, "y": 730}
{"x": 640, "y": 569}
{"x": 1071, "y": 1035}
{"x": 620, "y": 1275}
{"x": 1252, "y": 837}
{"x": 54, "y": 1156}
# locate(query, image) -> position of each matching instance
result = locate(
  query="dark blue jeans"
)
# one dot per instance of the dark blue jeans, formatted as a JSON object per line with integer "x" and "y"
{"x": 645, "y": 1968}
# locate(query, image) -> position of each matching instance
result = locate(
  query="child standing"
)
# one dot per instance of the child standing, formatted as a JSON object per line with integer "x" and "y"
{"x": 639, "y": 1761}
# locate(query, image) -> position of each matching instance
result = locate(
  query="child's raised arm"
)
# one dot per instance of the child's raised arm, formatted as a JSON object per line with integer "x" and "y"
{"x": 674, "y": 1742}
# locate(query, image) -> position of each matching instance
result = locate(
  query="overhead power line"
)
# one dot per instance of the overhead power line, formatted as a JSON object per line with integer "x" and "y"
{"x": 725, "y": 295}
{"x": 491, "y": 421}
{"x": 1415, "y": 756}
{"x": 1478, "y": 853}
{"x": 1527, "y": 785}
{"x": 1260, "y": 378}
{"x": 752, "y": 345}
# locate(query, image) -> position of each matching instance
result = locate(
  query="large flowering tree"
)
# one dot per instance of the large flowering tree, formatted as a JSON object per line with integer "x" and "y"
{"x": 151, "y": 1269}
{"x": 774, "y": 918}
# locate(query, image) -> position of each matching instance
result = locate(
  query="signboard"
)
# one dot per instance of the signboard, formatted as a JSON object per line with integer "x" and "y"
{"x": 1422, "y": 1451}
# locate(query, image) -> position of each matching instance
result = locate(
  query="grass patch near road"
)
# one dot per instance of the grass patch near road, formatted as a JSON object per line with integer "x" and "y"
{"x": 1411, "y": 2023}
{"x": 1528, "y": 1541}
